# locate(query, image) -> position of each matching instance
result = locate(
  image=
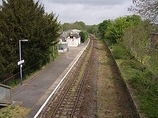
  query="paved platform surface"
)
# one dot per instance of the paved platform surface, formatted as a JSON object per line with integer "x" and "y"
{"x": 34, "y": 91}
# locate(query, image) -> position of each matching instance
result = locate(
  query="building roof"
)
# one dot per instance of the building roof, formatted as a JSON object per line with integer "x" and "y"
{"x": 75, "y": 31}
{"x": 75, "y": 35}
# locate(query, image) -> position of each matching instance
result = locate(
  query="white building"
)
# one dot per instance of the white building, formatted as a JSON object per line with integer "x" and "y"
{"x": 69, "y": 39}
{"x": 73, "y": 40}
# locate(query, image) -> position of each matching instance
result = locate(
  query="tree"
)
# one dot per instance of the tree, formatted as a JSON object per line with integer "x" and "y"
{"x": 83, "y": 36}
{"x": 136, "y": 40}
{"x": 76, "y": 25}
{"x": 115, "y": 29}
{"x": 93, "y": 29}
{"x": 146, "y": 8}
{"x": 24, "y": 19}
{"x": 80, "y": 24}
{"x": 102, "y": 28}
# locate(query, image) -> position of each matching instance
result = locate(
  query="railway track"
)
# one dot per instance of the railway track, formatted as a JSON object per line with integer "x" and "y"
{"x": 67, "y": 101}
{"x": 88, "y": 93}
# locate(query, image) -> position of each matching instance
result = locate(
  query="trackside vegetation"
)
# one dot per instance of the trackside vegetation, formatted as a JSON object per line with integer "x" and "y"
{"x": 14, "y": 111}
{"x": 141, "y": 80}
{"x": 129, "y": 39}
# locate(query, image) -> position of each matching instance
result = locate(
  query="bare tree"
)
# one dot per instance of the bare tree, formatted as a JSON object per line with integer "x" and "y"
{"x": 148, "y": 9}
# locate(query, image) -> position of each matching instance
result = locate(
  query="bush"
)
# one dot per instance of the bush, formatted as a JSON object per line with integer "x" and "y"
{"x": 141, "y": 79}
{"x": 83, "y": 36}
{"x": 119, "y": 52}
{"x": 145, "y": 86}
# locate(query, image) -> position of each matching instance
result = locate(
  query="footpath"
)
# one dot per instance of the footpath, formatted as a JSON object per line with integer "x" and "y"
{"x": 34, "y": 91}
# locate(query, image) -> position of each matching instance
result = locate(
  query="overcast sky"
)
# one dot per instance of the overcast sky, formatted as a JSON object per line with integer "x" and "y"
{"x": 89, "y": 11}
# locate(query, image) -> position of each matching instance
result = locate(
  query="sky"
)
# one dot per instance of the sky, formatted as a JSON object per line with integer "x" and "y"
{"x": 89, "y": 11}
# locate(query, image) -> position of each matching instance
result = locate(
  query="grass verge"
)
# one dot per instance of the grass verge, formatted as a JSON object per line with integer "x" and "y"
{"x": 13, "y": 111}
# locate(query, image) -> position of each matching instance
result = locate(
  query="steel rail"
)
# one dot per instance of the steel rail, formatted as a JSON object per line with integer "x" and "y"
{"x": 79, "y": 93}
{"x": 71, "y": 93}
{"x": 58, "y": 86}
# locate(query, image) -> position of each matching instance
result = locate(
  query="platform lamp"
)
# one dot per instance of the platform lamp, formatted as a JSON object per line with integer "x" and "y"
{"x": 21, "y": 61}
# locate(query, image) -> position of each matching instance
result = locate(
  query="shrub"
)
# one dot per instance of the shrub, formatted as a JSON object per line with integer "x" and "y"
{"x": 119, "y": 52}
{"x": 83, "y": 36}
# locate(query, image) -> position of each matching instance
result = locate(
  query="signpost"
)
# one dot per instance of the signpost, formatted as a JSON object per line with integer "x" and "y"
{"x": 21, "y": 61}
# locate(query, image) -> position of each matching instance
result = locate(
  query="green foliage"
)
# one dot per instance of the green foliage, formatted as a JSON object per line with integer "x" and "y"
{"x": 26, "y": 20}
{"x": 137, "y": 61}
{"x": 153, "y": 62}
{"x": 136, "y": 40}
{"x": 112, "y": 31}
{"x": 14, "y": 111}
{"x": 76, "y": 25}
{"x": 92, "y": 29}
{"x": 146, "y": 90}
{"x": 83, "y": 36}
{"x": 103, "y": 27}
{"x": 119, "y": 52}
{"x": 142, "y": 67}
{"x": 143, "y": 82}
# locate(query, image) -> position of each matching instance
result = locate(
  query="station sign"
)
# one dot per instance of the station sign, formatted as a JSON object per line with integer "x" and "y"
{"x": 20, "y": 62}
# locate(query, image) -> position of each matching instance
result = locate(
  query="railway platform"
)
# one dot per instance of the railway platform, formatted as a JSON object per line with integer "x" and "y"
{"x": 35, "y": 90}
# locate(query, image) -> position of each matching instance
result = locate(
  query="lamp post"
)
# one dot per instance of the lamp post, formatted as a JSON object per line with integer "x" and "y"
{"x": 21, "y": 61}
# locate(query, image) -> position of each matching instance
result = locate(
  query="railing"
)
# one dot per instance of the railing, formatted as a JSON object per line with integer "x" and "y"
{"x": 15, "y": 78}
